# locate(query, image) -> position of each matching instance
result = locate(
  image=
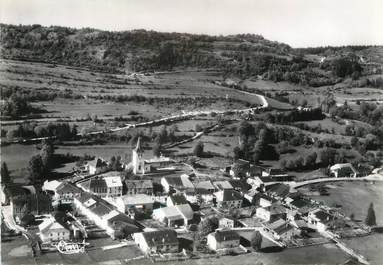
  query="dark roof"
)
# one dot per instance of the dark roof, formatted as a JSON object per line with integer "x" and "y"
{"x": 174, "y": 181}
{"x": 178, "y": 199}
{"x": 139, "y": 184}
{"x": 97, "y": 183}
{"x": 86, "y": 196}
{"x": 225, "y": 235}
{"x": 279, "y": 189}
{"x": 243, "y": 162}
{"x": 67, "y": 188}
{"x": 231, "y": 195}
{"x": 240, "y": 184}
{"x": 275, "y": 171}
{"x": 323, "y": 216}
{"x": 283, "y": 228}
{"x": 160, "y": 237}
{"x": 299, "y": 203}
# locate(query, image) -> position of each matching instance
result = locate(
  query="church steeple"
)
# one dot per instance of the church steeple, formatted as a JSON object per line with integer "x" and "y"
{"x": 138, "y": 148}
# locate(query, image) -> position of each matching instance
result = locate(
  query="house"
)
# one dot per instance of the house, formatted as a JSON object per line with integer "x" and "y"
{"x": 113, "y": 185}
{"x": 228, "y": 199}
{"x": 345, "y": 170}
{"x": 66, "y": 192}
{"x": 239, "y": 185}
{"x": 272, "y": 212}
{"x": 105, "y": 215}
{"x": 205, "y": 185}
{"x": 256, "y": 183}
{"x": 158, "y": 241}
{"x": 278, "y": 191}
{"x": 273, "y": 172}
{"x": 178, "y": 184}
{"x": 263, "y": 200}
{"x": 222, "y": 185}
{"x": 199, "y": 196}
{"x": 320, "y": 219}
{"x": 178, "y": 215}
{"x": 125, "y": 203}
{"x": 50, "y": 231}
{"x": 143, "y": 166}
{"x": 143, "y": 186}
{"x": 286, "y": 232}
{"x": 243, "y": 166}
{"x": 108, "y": 185}
{"x": 96, "y": 166}
{"x": 223, "y": 239}
{"x": 226, "y": 223}
{"x": 176, "y": 199}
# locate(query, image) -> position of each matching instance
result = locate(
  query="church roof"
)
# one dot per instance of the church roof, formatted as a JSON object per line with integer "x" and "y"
{"x": 138, "y": 148}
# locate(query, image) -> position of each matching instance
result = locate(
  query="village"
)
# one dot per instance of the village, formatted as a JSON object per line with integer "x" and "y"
{"x": 169, "y": 211}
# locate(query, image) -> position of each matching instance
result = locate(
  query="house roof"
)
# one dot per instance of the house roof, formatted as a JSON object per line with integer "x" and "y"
{"x": 96, "y": 183}
{"x": 225, "y": 235}
{"x": 178, "y": 211}
{"x": 239, "y": 184}
{"x": 112, "y": 182}
{"x": 339, "y": 166}
{"x": 66, "y": 187}
{"x": 160, "y": 237}
{"x": 279, "y": 189}
{"x": 283, "y": 229}
{"x": 275, "y": 171}
{"x": 178, "y": 198}
{"x": 51, "y": 185}
{"x": 277, "y": 209}
{"x": 228, "y": 195}
{"x": 323, "y": 216}
{"x": 276, "y": 224}
{"x": 50, "y": 224}
{"x": 180, "y": 182}
{"x": 223, "y": 185}
{"x": 139, "y": 184}
{"x": 207, "y": 185}
{"x": 137, "y": 199}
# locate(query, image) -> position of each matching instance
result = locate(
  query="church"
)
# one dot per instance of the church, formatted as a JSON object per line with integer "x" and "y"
{"x": 144, "y": 166}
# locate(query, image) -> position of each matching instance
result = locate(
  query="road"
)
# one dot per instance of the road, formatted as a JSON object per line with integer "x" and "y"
{"x": 179, "y": 117}
{"x": 297, "y": 184}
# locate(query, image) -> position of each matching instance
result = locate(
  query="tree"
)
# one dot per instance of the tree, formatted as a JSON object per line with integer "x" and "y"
{"x": 256, "y": 240}
{"x": 5, "y": 176}
{"x": 36, "y": 169}
{"x": 371, "y": 218}
{"x": 208, "y": 226}
{"x": 198, "y": 149}
{"x": 47, "y": 151}
{"x": 157, "y": 149}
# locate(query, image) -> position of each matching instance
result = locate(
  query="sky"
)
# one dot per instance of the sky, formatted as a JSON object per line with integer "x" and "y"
{"x": 299, "y": 23}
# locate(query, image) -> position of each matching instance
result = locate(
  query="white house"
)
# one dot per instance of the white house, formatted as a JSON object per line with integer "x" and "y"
{"x": 106, "y": 185}
{"x": 272, "y": 212}
{"x": 178, "y": 215}
{"x": 50, "y": 230}
{"x": 228, "y": 199}
{"x": 320, "y": 219}
{"x": 226, "y": 223}
{"x": 104, "y": 214}
{"x": 223, "y": 239}
{"x": 127, "y": 202}
{"x": 114, "y": 186}
{"x": 177, "y": 184}
{"x": 158, "y": 241}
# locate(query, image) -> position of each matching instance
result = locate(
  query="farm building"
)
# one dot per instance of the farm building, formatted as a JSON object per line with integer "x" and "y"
{"x": 228, "y": 199}
{"x": 178, "y": 215}
{"x": 142, "y": 186}
{"x": 50, "y": 230}
{"x": 343, "y": 171}
{"x": 159, "y": 241}
{"x": 223, "y": 239}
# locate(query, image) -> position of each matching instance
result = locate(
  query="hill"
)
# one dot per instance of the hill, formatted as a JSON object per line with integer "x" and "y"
{"x": 243, "y": 56}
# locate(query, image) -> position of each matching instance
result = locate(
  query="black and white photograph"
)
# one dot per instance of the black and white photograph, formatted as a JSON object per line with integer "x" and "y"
{"x": 217, "y": 132}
